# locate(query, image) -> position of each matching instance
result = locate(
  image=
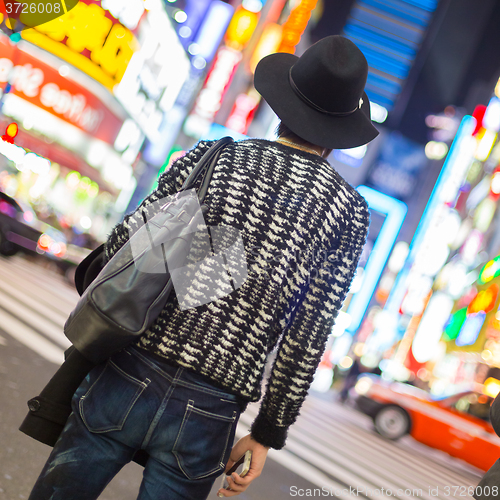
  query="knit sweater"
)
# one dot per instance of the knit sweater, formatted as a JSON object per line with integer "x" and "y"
{"x": 303, "y": 228}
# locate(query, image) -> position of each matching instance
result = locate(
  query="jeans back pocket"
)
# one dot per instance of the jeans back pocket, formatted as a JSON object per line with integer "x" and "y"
{"x": 204, "y": 440}
{"x": 109, "y": 400}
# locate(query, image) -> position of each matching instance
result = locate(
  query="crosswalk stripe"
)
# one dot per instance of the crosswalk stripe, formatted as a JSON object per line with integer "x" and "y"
{"x": 377, "y": 473}
{"x": 388, "y": 473}
{"x": 390, "y": 446}
{"x": 35, "y": 321}
{"x": 338, "y": 452}
{"x": 347, "y": 458}
{"x": 29, "y": 338}
{"x": 367, "y": 442}
{"x": 33, "y": 271}
{"x": 46, "y": 282}
{"x": 294, "y": 463}
{"x": 397, "y": 449}
{"x": 56, "y": 317}
{"x": 397, "y": 454}
{"x": 35, "y": 302}
{"x": 32, "y": 268}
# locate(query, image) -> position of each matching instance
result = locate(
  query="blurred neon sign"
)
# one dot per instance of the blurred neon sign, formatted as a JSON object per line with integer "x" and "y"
{"x": 212, "y": 30}
{"x": 426, "y": 341}
{"x": 129, "y": 12}
{"x": 395, "y": 212}
{"x": 42, "y": 85}
{"x": 452, "y": 329}
{"x": 88, "y": 29}
{"x": 268, "y": 44}
{"x": 149, "y": 87}
{"x": 241, "y": 28}
{"x": 243, "y": 111}
{"x": 484, "y": 301}
{"x": 210, "y": 98}
{"x": 490, "y": 271}
{"x": 491, "y": 387}
{"x": 295, "y": 25}
{"x": 389, "y": 33}
{"x": 470, "y": 329}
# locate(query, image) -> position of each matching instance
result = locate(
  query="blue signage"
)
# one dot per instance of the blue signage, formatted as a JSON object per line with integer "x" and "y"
{"x": 389, "y": 33}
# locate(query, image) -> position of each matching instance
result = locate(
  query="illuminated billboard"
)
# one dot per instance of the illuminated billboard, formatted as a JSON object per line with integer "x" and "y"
{"x": 44, "y": 86}
{"x": 155, "y": 75}
{"x": 92, "y": 39}
{"x": 389, "y": 33}
{"x": 394, "y": 212}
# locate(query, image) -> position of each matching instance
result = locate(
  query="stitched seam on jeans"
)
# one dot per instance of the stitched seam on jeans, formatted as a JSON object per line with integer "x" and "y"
{"x": 189, "y": 409}
{"x": 129, "y": 377}
{"x": 227, "y": 440}
{"x": 80, "y": 403}
{"x": 184, "y": 420}
{"x": 119, "y": 425}
{"x": 212, "y": 415}
{"x": 229, "y": 401}
{"x": 138, "y": 395}
{"x": 205, "y": 390}
{"x": 152, "y": 365}
{"x": 157, "y": 417}
{"x": 161, "y": 409}
{"x": 178, "y": 381}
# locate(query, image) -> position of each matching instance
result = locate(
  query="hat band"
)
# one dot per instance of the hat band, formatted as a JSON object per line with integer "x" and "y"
{"x": 315, "y": 106}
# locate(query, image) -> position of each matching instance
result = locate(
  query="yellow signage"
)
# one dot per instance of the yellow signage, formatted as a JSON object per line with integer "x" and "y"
{"x": 491, "y": 387}
{"x": 241, "y": 28}
{"x": 484, "y": 301}
{"x": 268, "y": 44}
{"x": 88, "y": 40}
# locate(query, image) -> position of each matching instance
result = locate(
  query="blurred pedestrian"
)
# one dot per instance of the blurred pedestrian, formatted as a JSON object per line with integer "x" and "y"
{"x": 350, "y": 378}
{"x": 178, "y": 392}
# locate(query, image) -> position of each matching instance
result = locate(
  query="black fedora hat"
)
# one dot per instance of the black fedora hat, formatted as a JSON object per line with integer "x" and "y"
{"x": 320, "y": 95}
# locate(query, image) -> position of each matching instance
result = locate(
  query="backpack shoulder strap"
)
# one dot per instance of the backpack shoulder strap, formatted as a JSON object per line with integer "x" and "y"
{"x": 205, "y": 160}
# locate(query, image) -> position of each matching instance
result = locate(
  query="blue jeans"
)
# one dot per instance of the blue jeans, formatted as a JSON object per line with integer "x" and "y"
{"x": 135, "y": 402}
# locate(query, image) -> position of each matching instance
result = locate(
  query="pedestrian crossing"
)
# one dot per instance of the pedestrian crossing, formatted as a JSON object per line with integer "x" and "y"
{"x": 331, "y": 446}
{"x": 334, "y": 447}
{"x": 34, "y": 305}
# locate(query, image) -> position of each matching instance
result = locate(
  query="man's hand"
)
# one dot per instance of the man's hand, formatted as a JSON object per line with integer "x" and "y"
{"x": 238, "y": 484}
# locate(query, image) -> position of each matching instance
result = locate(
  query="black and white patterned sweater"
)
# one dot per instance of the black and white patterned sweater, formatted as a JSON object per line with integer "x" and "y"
{"x": 303, "y": 228}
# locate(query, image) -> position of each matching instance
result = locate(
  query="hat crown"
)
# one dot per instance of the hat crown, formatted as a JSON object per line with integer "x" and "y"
{"x": 331, "y": 74}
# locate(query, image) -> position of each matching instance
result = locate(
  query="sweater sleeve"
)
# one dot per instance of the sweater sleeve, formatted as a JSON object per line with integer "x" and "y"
{"x": 303, "y": 341}
{"x": 168, "y": 184}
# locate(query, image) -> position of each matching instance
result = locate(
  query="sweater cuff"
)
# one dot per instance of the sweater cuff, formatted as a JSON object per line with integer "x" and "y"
{"x": 268, "y": 434}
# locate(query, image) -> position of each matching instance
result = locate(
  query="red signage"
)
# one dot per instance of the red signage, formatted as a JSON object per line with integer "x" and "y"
{"x": 42, "y": 85}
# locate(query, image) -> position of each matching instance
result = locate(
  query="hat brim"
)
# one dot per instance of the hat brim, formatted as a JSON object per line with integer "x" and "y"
{"x": 334, "y": 132}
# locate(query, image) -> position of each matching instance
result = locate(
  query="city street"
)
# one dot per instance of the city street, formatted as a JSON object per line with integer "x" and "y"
{"x": 331, "y": 446}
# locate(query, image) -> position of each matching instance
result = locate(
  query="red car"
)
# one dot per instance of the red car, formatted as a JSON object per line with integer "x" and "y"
{"x": 458, "y": 425}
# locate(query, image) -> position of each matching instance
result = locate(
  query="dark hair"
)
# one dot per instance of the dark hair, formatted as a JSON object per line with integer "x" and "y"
{"x": 283, "y": 131}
